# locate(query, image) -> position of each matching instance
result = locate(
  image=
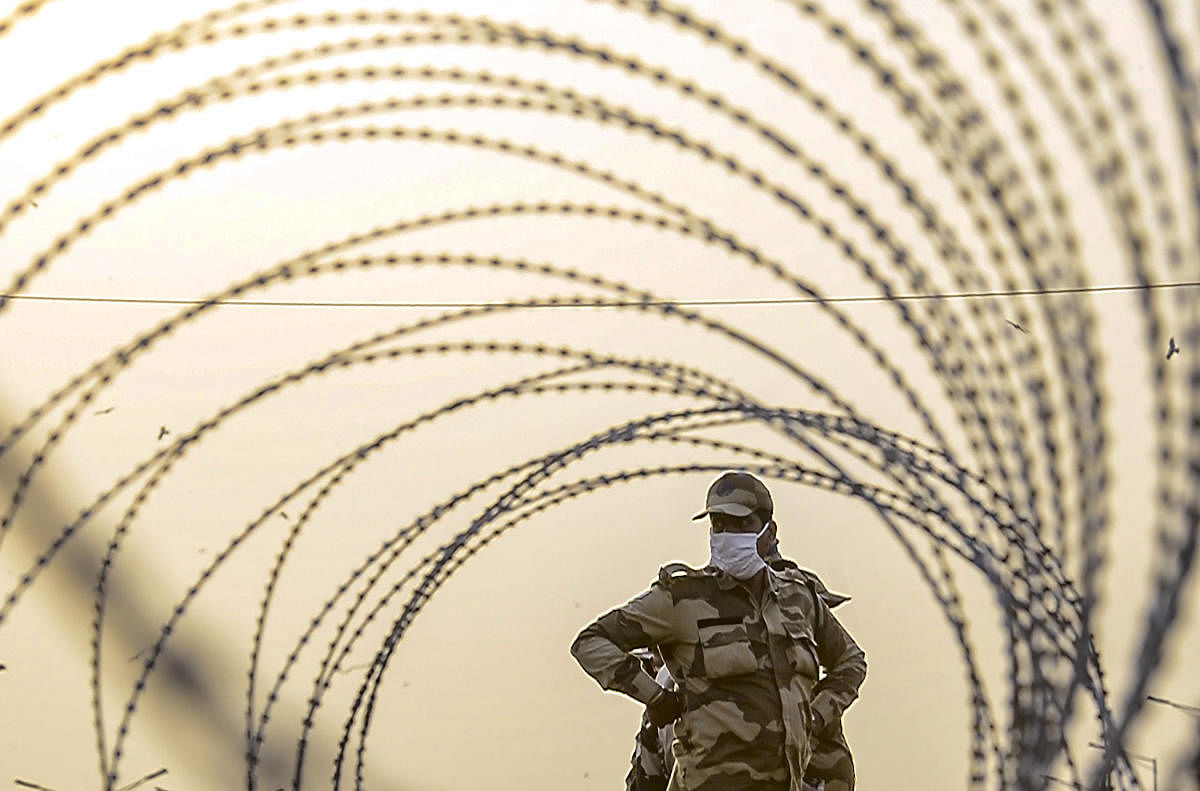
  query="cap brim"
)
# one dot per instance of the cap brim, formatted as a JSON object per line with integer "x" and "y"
{"x": 733, "y": 509}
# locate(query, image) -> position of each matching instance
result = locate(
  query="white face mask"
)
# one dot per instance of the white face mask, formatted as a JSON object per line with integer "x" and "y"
{"x": 737, "y": 553}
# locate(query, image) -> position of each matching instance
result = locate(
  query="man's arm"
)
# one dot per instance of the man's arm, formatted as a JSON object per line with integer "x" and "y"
{"x": 845, "y": 666}
{"x": 602, "y": 648}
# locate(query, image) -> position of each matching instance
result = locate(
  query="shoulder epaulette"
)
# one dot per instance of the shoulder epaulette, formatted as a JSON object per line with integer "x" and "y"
{"x": 677, "y": 571}
{"x": 790, "y": 570}
{"x": 830, "y": 598}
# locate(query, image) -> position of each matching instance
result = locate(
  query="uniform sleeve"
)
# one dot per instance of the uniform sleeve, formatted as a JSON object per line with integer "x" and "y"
{"x": 602, "y": 648}
{"x": 844, "y": 662}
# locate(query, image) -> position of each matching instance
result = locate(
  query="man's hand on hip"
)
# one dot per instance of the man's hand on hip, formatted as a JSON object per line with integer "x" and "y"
{"x": 665, "y": 707}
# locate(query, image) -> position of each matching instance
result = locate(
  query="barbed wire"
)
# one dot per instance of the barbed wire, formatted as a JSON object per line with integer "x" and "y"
{"x": 1026, "y": 510}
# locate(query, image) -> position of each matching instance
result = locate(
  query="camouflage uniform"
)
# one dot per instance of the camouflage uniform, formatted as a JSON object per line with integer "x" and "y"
{"x": 831, "y": 767}
{"x": 650, "y": 766}
{"x": 747, "y": 669}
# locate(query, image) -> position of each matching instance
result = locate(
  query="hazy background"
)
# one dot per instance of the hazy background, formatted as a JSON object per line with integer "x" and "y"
{"x": 482, "y": 690}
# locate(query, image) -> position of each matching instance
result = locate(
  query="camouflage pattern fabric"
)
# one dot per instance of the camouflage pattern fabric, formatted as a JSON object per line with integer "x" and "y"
{"x": 747, "y": 668}
{"x": 648, "y": 771}
{"x": 650, "y": 766}
{"x": 831, "y": 767}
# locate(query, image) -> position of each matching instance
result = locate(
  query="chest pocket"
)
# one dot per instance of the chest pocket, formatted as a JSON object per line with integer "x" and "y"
{"x": 802, "y": 648}
{"x": 725, "y": 647}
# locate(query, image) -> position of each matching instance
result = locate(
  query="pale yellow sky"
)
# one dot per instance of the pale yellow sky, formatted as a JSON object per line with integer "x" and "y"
{"x": 482, "y": 691}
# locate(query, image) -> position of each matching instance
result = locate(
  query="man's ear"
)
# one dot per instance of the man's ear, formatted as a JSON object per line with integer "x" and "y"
{"x": 769, "y": 539}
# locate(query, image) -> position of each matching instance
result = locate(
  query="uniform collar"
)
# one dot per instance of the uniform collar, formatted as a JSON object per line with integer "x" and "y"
{"x": 725, "y": 581}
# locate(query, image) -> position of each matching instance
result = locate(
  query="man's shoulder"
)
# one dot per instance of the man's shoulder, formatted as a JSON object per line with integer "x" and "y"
{"x": 792, "y": 572}
{"x": 674, "y": 573}
{"x": 789, "y": 570}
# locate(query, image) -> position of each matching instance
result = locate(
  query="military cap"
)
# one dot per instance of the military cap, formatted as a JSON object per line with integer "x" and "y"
{"x": 736, "y": 494}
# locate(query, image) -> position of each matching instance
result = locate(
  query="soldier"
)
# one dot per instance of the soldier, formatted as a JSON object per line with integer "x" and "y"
{"x": 831, "y": 767}
{"x": 744, "y": 642}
